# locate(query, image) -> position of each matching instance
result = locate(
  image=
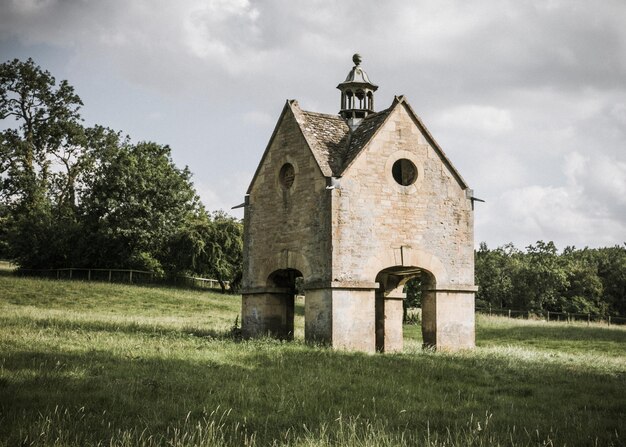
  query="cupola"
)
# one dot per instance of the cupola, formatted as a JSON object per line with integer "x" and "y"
{"x": 357, "y": 95}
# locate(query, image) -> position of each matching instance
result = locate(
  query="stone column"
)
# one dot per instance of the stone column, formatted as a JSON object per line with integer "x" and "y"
{"x": 389, "y": 331}
{"x": 448, "y": 321}
{"x": 318, "y": 316}
{"x": 341, "y": 314}
{"x": 268, "y": 311}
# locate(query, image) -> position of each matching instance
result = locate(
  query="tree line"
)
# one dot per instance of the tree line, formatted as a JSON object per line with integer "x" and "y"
{"x": 78, "y": 196}
{"x": 588, "y": 280}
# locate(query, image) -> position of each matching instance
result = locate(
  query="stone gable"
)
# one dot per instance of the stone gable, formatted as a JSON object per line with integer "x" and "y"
{"x": 355, "y": 205}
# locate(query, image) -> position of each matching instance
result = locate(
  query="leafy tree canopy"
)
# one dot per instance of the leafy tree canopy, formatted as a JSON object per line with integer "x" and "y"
{"x": 542, "y": 279}
{"x": 76, "y": 196}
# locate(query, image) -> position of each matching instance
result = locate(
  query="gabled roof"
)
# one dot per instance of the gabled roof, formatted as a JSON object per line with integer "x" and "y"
{"x": 330, "y": 140}
{"x": 335, "y": 148}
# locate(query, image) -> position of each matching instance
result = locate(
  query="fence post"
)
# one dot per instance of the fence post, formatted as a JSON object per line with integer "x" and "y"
{"x": 548, "y": 318}
{"x": 89, "y": 275}
{"x": 109, "y": 275}
{"x": 70, "y": 273}
{"x": 588, "y": 319}
{"x": 609, "y": 320}
{"x": 509, "y": 313}
{"x": 131, "y": 277}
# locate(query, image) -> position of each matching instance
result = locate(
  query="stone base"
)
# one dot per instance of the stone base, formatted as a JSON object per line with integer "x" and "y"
{"x": 342, "y": 318}
{"x": 389, "y": 314}
{"x": 268, "y": 313}
{"x": 361, "y": 319}
{"x": 448, "y": 319}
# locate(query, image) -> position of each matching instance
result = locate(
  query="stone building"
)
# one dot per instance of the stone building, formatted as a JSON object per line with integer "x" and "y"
{"x": 357, "y": 204}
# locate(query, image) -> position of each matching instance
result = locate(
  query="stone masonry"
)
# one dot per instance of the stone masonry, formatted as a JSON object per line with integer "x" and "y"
{"x": 356, "y": 205}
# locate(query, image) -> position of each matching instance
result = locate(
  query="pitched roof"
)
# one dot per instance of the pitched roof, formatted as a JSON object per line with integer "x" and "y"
{"x": 330, "y": 140}
{"x": 327, "y": 136}
{"x": 335, "y": 148}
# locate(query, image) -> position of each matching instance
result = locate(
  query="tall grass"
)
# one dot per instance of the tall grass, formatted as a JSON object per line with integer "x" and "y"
{"x": 114, "y": 365}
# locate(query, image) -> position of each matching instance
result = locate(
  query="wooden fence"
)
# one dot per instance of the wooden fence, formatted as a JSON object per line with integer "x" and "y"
{"x": 567, "y": 317}
{"x": 122, "y": 275}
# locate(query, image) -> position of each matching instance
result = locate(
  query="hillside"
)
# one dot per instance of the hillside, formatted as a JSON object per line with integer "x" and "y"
{"x": 89, "y": 363}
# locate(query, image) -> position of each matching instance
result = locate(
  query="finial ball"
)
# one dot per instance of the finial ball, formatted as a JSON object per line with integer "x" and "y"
{"x": 357, "y": 59}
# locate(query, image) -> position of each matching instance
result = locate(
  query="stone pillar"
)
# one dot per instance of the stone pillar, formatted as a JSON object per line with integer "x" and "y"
{"x": 354, "y": 320}
{"x": 267, "y": 312}
{"x": 393, "y": 334}
{"x": 342, "y": 315}
{"x": 448, "y": 321}
{"x": 318, "y": 316}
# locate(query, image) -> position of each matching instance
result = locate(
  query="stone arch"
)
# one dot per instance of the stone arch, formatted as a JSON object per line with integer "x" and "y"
{"x": 269, "y": 307}
{"x": 407, "y": 256}
{"x": 389, "y": 309}
{"x": 286, "y": 260}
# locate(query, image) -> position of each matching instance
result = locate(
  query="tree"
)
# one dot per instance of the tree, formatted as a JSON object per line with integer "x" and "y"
{"x": 495, "y": 271}
{"x": 41, "y": 155}
{"x": 48, "y": 125}
{"x": 210, "y": 245}
{"x": 88, "y": 197}
{"x": 612, "y": 273}
{"x": 226, "y": 250}
{"x": 133, "y": 204}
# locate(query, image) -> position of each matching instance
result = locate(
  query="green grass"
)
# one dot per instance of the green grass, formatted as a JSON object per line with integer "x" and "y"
{"x": 114, "y": 365}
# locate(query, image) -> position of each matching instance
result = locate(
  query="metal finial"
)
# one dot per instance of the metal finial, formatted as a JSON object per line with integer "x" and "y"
{"x": 357, "y": 59}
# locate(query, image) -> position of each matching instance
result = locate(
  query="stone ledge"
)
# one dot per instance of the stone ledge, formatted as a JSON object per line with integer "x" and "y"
{"x": 260, "y": 290}
{"x": 453, "y": 288}
{"x": 341, "y": 285}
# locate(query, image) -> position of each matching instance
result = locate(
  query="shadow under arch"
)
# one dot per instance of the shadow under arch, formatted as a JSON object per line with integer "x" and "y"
{"x": 389, "y": 308}
{"x": 280, "y": 302}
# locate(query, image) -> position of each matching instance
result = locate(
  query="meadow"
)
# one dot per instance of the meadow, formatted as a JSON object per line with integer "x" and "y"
{"x": 86, "y": 364}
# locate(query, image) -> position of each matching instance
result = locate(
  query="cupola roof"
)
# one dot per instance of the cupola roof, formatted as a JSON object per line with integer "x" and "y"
{"x": 357, "y": 76}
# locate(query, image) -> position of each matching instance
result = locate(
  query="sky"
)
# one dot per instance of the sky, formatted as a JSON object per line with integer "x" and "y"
{"x": 526, "y": 98}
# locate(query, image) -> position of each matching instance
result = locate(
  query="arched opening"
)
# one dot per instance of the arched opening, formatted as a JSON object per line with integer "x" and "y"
{"x": 360, "y": 95}
{"x": 390, "y": 310}
{"x": 285, "y": 284}
{"x": 349, "y": 100}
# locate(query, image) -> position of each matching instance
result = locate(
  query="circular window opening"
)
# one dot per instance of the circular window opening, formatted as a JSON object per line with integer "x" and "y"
{"x": 286, "y": 175}
{"x": 404, "y": 172}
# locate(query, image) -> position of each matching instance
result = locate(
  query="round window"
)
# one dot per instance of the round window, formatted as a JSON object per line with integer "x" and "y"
{"x": 286, "y": 175}
{"x": 404, "y": 172}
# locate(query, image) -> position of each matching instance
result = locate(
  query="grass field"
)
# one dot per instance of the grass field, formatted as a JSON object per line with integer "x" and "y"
{"x": 114, "y": 365}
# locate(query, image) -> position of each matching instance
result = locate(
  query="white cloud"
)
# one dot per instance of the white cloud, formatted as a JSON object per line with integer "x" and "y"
{"x": 589, "y": 210}
{"x": 259, "y": 118}
{"x": 527, "y": 98}
{"x": 484, "y": 119}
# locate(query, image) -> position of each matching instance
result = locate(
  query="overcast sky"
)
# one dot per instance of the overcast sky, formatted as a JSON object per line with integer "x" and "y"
{"x": 527, "y": 98}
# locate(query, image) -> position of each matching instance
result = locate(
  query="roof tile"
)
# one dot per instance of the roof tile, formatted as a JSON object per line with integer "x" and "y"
{"x": 331, "y": 142}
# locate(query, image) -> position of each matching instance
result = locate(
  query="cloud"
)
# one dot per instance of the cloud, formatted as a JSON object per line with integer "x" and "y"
{"x": 487, "y": 119}
{"x": 527, "y": 98}
{"x": 589, "y": 210}
{"x": 258, "y": 118}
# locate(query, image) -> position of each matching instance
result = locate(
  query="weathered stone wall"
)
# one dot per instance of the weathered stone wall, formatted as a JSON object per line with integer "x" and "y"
{"x": 287, "y": 228}
{"x": 378, "y": 223}
{"x": 341, "y": 239}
